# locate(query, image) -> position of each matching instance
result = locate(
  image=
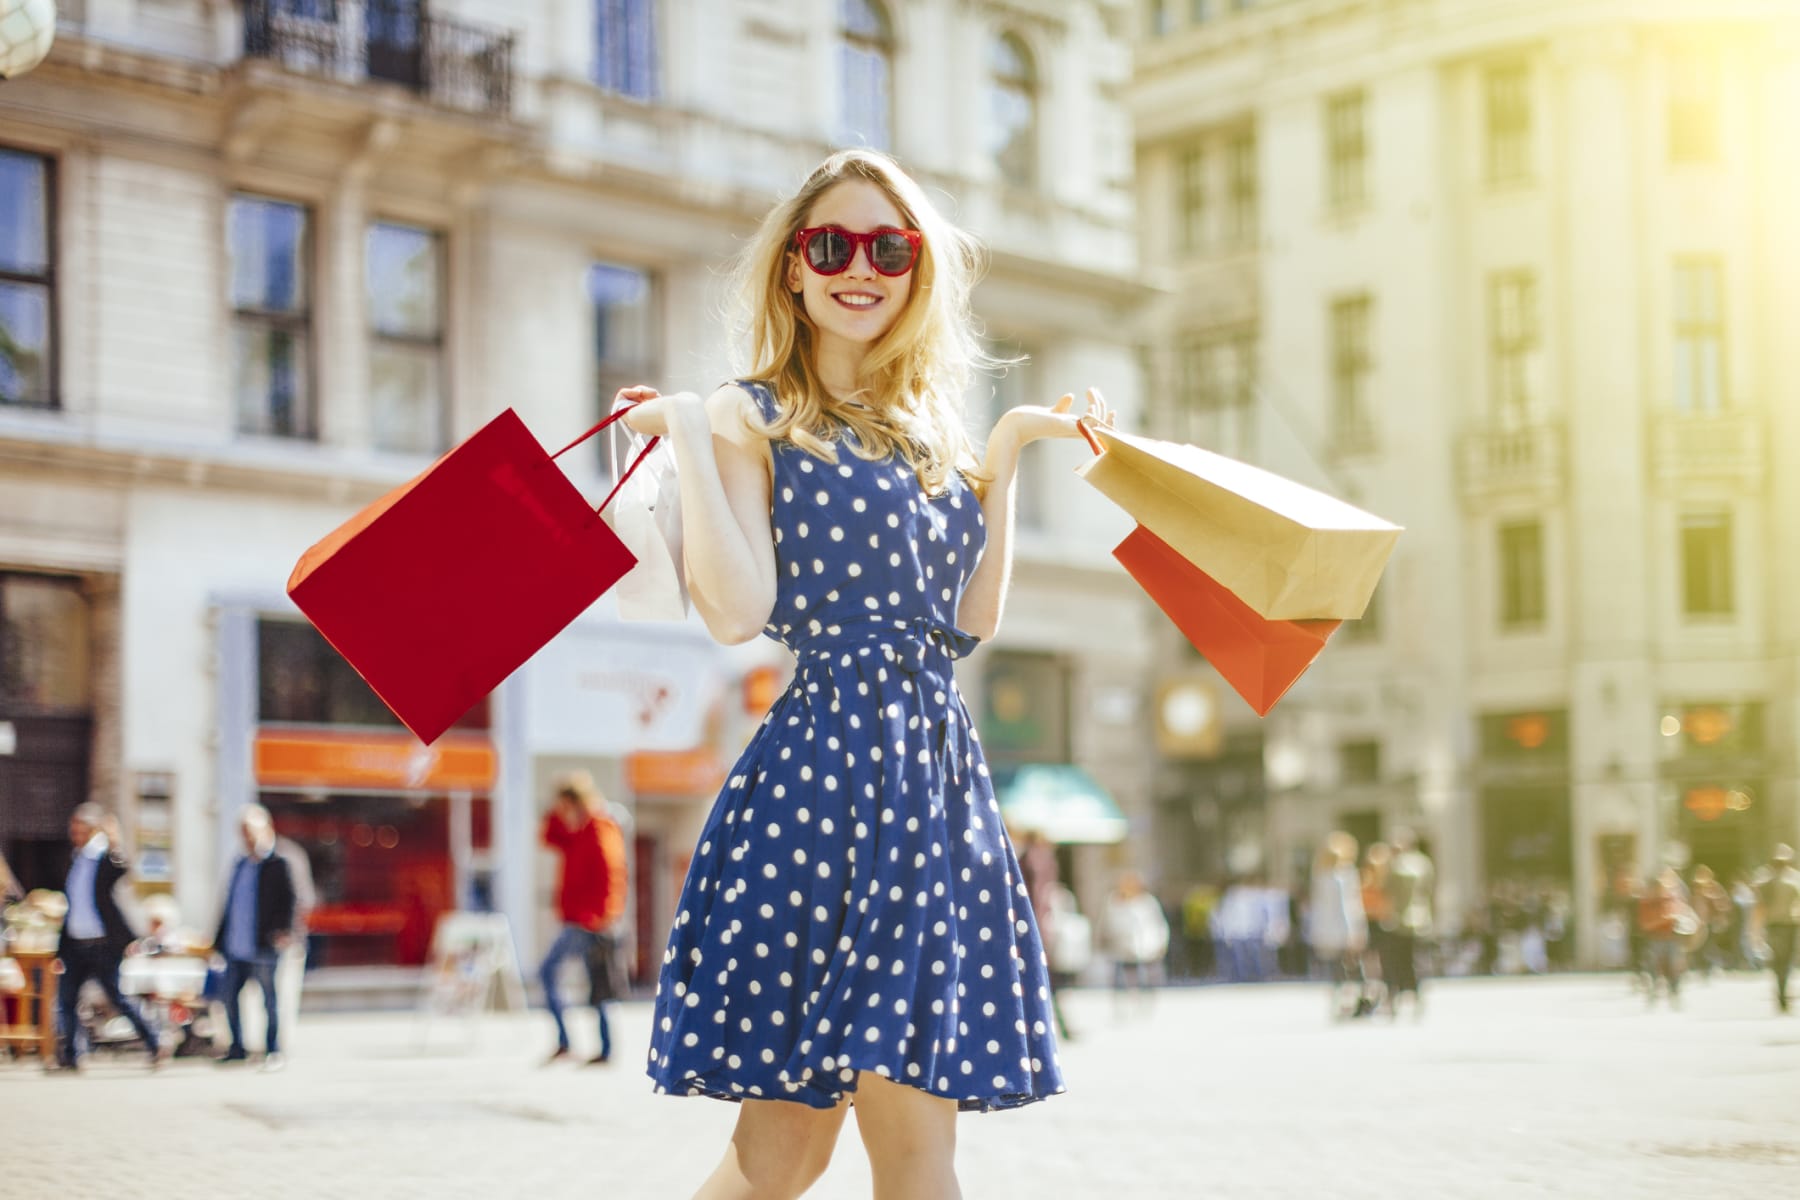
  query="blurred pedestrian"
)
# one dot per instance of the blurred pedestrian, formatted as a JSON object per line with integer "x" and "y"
{"x": 1778, "y": 914}
{"x": 1240, "y": 926}
{"x": 1411, "y": 882}
{"x": 1337, "y": 927}
{"x": 1197, "y": 906}
{"x": 1041, "y": 876}
{"x": 95, "y": 934}
{"x": 1713, "y": 908}
{"x": 1667, "y": 921}
{"x": 1377, "y": 961}
{"x": 290, "y": 967}
{"x": 1744, "y": 933}
{"x": 255, "y": 926}
{"x": 590, "y": 900}
{"x": 1137, "y": 938}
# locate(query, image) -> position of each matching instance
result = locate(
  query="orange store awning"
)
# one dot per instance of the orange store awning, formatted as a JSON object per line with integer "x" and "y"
{"x": 674, "y": 772}
{"x": 389, "y": 761}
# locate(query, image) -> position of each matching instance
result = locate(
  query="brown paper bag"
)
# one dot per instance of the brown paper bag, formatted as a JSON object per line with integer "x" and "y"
{"x": 1289, "y": 552}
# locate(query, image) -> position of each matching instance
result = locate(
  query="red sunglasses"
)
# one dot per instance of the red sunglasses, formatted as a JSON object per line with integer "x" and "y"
{"x": 830, "y": 249}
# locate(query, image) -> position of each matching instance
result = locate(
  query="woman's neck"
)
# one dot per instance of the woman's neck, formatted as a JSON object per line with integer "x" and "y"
{"x": 836, "y": 365}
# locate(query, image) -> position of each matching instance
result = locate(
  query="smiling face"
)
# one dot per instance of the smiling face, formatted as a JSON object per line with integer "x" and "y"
{"x": 854, "y": 308}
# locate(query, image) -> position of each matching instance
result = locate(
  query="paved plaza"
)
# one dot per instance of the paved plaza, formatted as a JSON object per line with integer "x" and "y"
{"x": 1561, "y": 1087}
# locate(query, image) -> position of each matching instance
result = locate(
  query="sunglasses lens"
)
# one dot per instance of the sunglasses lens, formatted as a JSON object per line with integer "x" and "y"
{"x": 828, "y": 251}
{"x": 892, "y": 254}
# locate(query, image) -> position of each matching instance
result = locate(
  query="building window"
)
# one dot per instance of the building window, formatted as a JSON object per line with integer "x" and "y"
{"x": 1521, "y": 575}
{"x": 1012, "y": 107}
{"x": 866, "y": 60}
{"x": 1240, "y": 188}
{"x": 406, "y": 329}
{"x": 1707, "y": 586}
{"x": 271, "y": 301}
{"x": 1514, "y": 333}
{"x": 1200, "y": 11}
{"x": 46, "y": 645}
{"x": 1159, "y": 18}
{"x": 1694, "y": 109}
{"x": 626, "y": 330}
{"x": 1699, "y": 336}
{"x": 1352, "y": 424}
{"x": 1217, "y": 390}
{"x": 27, "y": 281}
{"x": 1017, "y": 384}
{"x": 1359, "y": 762}
{"x": 1508, "y": 124}
{"x": 625, "y": 47}
{"x": 1190, "y": 199}
{"x": 1347, "y": 151}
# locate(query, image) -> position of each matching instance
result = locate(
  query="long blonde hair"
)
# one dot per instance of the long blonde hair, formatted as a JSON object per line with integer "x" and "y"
{"x": 909, "y": 388}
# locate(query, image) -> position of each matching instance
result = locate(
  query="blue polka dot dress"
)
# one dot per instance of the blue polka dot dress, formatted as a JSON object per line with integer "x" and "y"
{"x": 854, "y": 903}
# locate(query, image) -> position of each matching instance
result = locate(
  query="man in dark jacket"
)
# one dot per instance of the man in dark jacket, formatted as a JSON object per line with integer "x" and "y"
{"x": 256, "y": 924}
{"x": 94, "y": 934}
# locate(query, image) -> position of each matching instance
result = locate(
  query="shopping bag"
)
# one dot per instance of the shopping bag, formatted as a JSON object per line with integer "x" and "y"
{"x": 646, "y": 514}
{"x": 1258, "y": 657}
{"x": 1287, "y": 551}
{"x": 440, "y": 589}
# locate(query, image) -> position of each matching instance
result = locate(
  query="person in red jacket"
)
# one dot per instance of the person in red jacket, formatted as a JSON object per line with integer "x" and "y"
{"x": 590, "y": 899}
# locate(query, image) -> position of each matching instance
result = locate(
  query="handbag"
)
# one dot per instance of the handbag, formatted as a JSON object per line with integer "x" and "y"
{"x": 439, "y": 590}
{"x": 606, "y": 970}
{"x": 646, "y": 515}
{"x": 1285, "y": 550}
{"x": 1260, "y": 658}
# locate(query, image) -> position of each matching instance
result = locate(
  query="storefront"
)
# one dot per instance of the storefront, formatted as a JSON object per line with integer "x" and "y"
{"x": 1525, "y": 792}
{"x": 397, "y": 833}
{"x": 47, "y": 727}
{"x": 1714, "y": 790}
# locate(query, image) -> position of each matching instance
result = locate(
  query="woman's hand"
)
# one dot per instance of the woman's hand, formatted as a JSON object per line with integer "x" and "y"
{"x": 1031, "y": 422}
{"x": 652, "y": 413}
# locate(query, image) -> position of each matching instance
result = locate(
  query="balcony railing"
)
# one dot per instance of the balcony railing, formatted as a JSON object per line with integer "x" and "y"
{"x": 1499, "y": 461}
{"x": 450, "y": 63}
{"x": 1720, "y": 447}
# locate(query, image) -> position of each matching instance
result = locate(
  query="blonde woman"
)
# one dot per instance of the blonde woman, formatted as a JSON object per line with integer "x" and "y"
{"x": 1336, "y": 925}
{"x": 854, "y": 924}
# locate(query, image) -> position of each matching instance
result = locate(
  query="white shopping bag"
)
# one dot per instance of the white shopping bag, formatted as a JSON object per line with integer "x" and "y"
{"x": 646, "y": 516}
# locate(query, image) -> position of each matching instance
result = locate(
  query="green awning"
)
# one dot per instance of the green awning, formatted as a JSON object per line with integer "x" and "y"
{"x": 1060, "y": 801}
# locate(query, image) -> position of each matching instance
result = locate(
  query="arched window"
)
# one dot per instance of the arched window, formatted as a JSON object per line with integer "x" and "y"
{"x": 1012, "y": 110}
{"x": 866, "y": 63}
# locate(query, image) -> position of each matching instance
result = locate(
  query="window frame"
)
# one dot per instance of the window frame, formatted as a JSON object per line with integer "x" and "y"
{"x": 1524, "y": 585}
{"x": 1191, "y": 198}
{"x": 275, "y": 319}
{"x": 1026, "y": 85}
{"x": 647, "y": 370}
{"x": 1352, "y": 367}
{"x": 883, "y": 45}
{"x": 1242, "y": 188}
{"x": 1507, "y": 123}
{"x": 1690, "y": 332}
{"x": 437, "y": 343}
{"x": 1512, "y": 353}
{"x": 47, "y": 280}
{"x": 623, "y": 15}
{"x": 1347, "y": 151}
{"x": 1711, "y": 595}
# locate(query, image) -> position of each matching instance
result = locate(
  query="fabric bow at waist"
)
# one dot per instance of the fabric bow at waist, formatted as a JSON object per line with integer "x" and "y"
{"x": 911, "y": 644}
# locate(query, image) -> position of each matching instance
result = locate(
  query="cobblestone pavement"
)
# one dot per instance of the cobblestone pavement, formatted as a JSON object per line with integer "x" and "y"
{"x": 1565, "y": 1087}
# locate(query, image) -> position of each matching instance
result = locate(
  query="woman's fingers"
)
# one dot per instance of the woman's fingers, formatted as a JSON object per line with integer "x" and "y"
{"x": 1065, "y": 404}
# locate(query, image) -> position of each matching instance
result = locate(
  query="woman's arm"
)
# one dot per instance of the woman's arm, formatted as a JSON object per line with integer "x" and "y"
{"x": 984, "y": 600}
{"x": 723, "y": 465}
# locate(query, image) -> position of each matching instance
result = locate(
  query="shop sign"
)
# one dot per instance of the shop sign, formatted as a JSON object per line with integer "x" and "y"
{"x": 697, "y": 772}
{"x": 617, "y": 689}
{"x": 385, "y": 761}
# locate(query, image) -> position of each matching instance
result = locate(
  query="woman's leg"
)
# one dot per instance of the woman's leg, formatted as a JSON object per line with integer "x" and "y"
{"x": 778, "y": 1150}
{"x": 911, "y": 1139}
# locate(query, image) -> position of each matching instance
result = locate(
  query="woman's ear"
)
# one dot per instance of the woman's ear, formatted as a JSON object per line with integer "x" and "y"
{"x": 793, "y": 273}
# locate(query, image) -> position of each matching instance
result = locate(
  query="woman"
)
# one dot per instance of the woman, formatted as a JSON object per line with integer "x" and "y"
{"x": 854, "y": 923}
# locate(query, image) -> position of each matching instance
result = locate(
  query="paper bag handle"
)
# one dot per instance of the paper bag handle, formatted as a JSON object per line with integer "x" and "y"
{"x": 635, "y": 463}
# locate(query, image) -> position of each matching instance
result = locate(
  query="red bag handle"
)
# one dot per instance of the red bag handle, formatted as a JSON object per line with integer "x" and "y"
{"x": 635, "y": 463}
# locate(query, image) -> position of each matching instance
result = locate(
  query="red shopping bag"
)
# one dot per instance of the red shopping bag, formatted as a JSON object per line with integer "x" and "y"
{"x": 440, "y": 589}
{"x": 1258, "y": 657}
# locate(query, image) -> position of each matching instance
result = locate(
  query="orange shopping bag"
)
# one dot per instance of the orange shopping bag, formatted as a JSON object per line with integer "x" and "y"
{"x": 1258, "y": 657}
